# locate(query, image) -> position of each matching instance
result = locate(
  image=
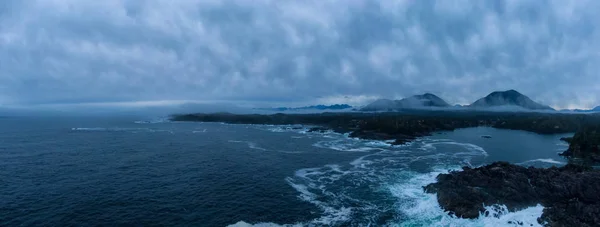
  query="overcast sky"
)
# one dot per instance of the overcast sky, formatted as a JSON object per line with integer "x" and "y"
{"x": 309, "y": 51}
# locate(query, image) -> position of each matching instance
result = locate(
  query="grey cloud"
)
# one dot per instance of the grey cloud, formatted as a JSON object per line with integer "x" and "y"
{"x": 77, "y": 51}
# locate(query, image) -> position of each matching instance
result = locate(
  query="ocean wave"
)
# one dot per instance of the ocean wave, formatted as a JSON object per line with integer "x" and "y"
{"x": 89, "y": 129}
{"x": 468, "y": 146}
{"x": 153, "y": 121}
{"x": 263, "y": 224}
{"x": 332, "y": 215}
{"x": 423, "y": 209}
{"x": 251, "y": 145}
{"x": 544, "y": 160}
{"x": 381, "y": 185}
{"x": 345, "y": 145}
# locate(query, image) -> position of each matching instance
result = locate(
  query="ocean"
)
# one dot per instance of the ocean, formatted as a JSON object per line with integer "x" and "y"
{"x": 129, "y": 171}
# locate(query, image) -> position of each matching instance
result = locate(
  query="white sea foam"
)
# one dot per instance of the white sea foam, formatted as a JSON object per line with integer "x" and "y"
{"x": 264, "y": 224}
{"x": 89, "y": 129}
{"x": 199, "y": 131}
{"x": 278, "y": 129}
{"x": 348, "y": 145}
{"x": 423, "y": 209}
{"x": 153, "y": 121}
{"x": 331, "y": 214}
{"x": 388, "y": 167}
{"x": 544, "y": 160}
{"x": 468, "y": 146}
{"x": 251, "y": 145}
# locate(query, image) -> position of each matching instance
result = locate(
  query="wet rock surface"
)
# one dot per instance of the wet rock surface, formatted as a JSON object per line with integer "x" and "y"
{"x": 569, "y": 194}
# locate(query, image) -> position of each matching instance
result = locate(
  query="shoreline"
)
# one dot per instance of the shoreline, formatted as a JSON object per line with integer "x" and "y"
{"x": 404, "y": 127}
{"x": 567, "y": 193}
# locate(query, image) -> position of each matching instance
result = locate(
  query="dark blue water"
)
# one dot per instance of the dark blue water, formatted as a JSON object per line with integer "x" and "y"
{"x": 113, "y": 171}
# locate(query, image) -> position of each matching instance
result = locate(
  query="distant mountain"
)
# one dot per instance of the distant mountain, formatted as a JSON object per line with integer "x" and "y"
{"x": 412, "y": 102}
{"x": 596, "y": 109}
{"x": 507, "y": 99}
{"x": 381, "y": 105}
{"x": 316, "y": 107}
{"x": 426, "y": 100}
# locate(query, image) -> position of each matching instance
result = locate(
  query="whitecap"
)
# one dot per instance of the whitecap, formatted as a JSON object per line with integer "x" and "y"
{"x": 544, "y": 160}
{"x": 468, "y": 146}
{"x": 262, "y": 224}
{"x": 253, "y": 145}
{"x": 89, "y": 129}
{"x": 153, "y": 121}
{"x": 423, "y": 209}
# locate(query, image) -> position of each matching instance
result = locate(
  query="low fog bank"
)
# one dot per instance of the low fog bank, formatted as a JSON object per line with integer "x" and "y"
{"x": 190, "y": 108}
{"x": 122, "y": 110}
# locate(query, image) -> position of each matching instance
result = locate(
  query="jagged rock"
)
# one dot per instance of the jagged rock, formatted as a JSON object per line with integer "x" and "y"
{"x": 569, "y": 193}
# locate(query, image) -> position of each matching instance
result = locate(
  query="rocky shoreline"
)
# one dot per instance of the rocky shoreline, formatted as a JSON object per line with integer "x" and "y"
{"x": 569, "y": 193}
{"x": 584, "y": 146}
{"x": 403, "y": 127}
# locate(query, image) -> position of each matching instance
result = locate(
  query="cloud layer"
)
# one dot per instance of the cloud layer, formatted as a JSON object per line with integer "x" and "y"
{"x": 80, "y": 51}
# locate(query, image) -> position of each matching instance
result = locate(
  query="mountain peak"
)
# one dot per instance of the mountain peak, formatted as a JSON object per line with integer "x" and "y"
{"x": 509, "y": 98}
{"x": 412, "y": 102}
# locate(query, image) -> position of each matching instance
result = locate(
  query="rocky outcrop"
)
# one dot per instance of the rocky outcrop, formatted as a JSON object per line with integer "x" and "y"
{"x": 507, "y": 99}
{"x": 569, "y": 193}
{"x": 584, "y": 145}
